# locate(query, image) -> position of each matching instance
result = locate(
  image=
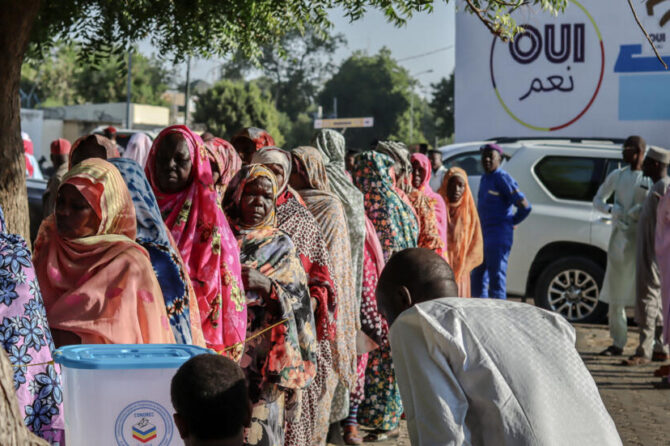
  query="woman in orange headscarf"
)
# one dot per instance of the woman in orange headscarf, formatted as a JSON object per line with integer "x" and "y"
{"x": 98, "y": 284}
{"x": 464, "y": 233}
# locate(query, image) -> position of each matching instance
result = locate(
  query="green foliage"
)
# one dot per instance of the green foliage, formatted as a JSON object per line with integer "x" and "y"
{"x": 63, "y": 79}
{"x": 232, "y": 105}
{"x": 294, "y": 68}
{"x": 214, "y": 27}
{"x": 442, "y": 106}
{"x": 374, "y": 86}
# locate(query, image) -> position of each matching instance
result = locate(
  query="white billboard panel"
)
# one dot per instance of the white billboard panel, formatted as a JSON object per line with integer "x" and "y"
{"x": 587, "y": 73}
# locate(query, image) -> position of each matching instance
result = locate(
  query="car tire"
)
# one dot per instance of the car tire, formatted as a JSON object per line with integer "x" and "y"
{"x": 566, "y": 286}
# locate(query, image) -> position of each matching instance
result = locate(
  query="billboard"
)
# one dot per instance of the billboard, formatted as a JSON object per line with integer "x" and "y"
{"x": 588, "y": 72}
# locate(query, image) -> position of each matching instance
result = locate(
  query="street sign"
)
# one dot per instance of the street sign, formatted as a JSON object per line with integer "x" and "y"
{"x": 343, "y": 123}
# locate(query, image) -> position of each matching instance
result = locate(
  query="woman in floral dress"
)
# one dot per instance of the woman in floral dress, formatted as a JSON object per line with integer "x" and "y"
{"x": 397, "y": 229}
{"x": 26, "y": 338}
{"x": 280, "y": 352}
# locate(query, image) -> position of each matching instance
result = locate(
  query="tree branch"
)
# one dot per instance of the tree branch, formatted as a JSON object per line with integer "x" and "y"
{"x": 646, "y": 34}
{"x": 479, "y": 13}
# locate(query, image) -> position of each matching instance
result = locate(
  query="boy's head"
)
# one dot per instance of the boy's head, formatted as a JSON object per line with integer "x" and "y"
{"x": 211, "y": 401}
{"x": 413, "y": 276}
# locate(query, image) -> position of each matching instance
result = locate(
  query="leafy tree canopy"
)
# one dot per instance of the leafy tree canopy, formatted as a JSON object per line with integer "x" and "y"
{"x": 214, "y": 27}
{"x": 62, "y": 79}
{"x": 232, "y": 105}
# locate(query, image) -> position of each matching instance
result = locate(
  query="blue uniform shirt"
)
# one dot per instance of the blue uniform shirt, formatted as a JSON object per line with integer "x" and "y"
{"x": 498, "y": 194}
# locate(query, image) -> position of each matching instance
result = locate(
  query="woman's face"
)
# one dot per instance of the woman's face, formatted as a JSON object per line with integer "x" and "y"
{"x": 257, "y": 201}
{"x": 89, "y": 148}
{"x": 75, "y": 218}
{"x": 173, "y": 164}
{"x": 278, "y": 170}
{"x": 455, "y": 189}
{"x": 418, "y": 174}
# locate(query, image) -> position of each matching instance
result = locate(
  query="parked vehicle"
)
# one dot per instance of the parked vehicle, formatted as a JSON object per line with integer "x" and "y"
{"x": 559, "y": 254}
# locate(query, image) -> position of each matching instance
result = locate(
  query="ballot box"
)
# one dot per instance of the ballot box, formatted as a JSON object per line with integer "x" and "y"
{"x": 120, "y": 394}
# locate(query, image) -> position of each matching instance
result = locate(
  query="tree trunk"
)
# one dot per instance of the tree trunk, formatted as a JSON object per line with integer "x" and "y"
{"x": 16, "y": 21}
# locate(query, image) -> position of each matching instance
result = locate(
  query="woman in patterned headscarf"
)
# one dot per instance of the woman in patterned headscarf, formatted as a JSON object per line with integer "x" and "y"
{"x": 225, "y": 163}
{"x": 308, "y": 176}
{"x": 180, "y": 300}
{"x": 397, "y": 229}
{"x": 466, "y": 245}
{"x": 26, "y": 338}
{"x": 181, "y": 177}
{"x": 249, "y": 141}
{"x": 296, "y": 220}
{"x": 425, "y": 208}
{"x": 421, "y": 173}
{"x": 331, "y": 144}
{"x": 279, "y": 361}
{"x": 97, "y": 282}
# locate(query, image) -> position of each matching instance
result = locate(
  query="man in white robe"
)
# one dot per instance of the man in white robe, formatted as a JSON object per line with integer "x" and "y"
{"x": 630, "y": 188}
{"x": 484, "y": 371}
{"x": 648, "y": 311}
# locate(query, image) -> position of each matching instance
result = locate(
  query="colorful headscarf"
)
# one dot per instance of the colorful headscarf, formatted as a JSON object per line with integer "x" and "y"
{"x": 430, "y": 208}
{"x": 180, "y": 300}
{"x": 60, "y": 147}
{"x": 259, "y": 137}
{"x": 466, "y": 245}
{"x": 138, "y": 148}
{"x": 110, "y": 148}
{"x": 275, "y": 155}
{"x": 331, "y": 144}
{"x": 246, "y": 175}
{"x": 206, "y": 244}
{"x": 28, "y": 150}
{"x": 227, "y": 160}
{"x": 400, "y": 154}
{"x": 102, "y": 287}
{"x": 394, "y": 219}
{"x": 329, "y": 214}
{"x": 284, "y": 358}
{"x": 25, "y": 336}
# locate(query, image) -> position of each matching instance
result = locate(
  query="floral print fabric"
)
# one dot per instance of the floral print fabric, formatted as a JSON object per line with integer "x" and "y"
{"x": 436, "y": 201}
{"x": 393, "y": 219}
{"x": 180, "y": 300}
{"x": 207, "y": 246}
{"x": 429, "y": 234}
{"x": 25, "y": 336}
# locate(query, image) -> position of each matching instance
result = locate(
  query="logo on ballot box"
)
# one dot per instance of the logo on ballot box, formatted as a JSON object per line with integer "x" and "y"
{"x": 144, "y": 423}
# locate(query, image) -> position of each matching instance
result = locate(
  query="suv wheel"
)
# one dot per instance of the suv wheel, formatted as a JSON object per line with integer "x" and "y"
{"x": 571, "y": 286}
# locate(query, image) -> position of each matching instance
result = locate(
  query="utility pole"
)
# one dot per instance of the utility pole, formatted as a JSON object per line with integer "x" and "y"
{"x": 129, "y": 125}
{"x": 188, "y": 90}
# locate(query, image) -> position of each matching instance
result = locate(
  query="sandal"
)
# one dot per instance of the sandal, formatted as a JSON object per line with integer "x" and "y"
{"x": 379, "y": 435}
{"x": 351, "y": 434}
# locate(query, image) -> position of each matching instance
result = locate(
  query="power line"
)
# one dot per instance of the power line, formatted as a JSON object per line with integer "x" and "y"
{"x": 426, "y": 54}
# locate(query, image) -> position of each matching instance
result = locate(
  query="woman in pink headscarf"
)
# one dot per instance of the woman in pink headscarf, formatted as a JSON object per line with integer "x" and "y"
{"x": 421, "y": 181}
{"x": 181, "y": 177}
{"x": 225, "y": 163}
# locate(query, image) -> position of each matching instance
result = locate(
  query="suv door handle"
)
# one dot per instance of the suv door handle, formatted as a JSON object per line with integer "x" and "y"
{"x": 606, "y": 219}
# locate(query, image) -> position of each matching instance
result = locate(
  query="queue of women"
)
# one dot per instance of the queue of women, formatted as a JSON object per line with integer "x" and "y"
{"x": 268, "y": 256}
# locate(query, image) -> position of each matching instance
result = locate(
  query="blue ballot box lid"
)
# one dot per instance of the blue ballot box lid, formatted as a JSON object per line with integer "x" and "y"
{"x": 127, "y": 356}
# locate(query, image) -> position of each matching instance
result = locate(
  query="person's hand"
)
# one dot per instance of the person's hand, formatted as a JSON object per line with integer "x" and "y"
{"x": 255, "y": 281}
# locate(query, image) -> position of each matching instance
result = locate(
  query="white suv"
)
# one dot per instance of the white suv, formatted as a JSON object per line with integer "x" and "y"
{"x": 559, "y": 254}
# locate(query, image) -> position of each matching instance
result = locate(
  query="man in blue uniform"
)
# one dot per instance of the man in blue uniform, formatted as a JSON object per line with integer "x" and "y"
{"x": 498, "y": 195}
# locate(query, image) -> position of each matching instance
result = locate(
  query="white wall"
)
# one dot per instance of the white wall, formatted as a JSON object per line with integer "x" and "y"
{"x": 544, "y": 93}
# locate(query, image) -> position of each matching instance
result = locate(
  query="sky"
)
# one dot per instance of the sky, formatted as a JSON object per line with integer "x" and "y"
{"x": 424, "y": 33}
